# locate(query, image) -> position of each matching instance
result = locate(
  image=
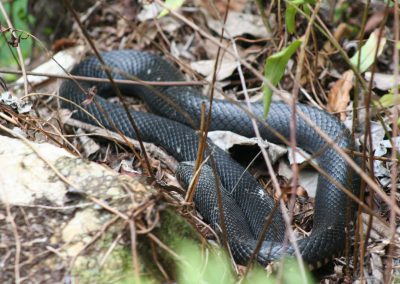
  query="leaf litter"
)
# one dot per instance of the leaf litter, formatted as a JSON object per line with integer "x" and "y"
{"x": 326, "y": 75}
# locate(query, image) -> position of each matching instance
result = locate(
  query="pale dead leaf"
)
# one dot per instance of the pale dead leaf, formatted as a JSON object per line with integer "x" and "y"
{"x": 339, "y": 95}
{"x": 308, "y": 178}
{"x": 66, "y": 58}
{"x": 206, "y": 68}
{"x": 239, "y": 24}
{"x": 328, "y": 49}
{"x": 226, "y": 140}
{"x": 89, "y": 145}
{"x": 149, "y": 12}
{"x": 381, "y": 81}
{"x": 225, "y": 51}
{"x": 377, "y": 267}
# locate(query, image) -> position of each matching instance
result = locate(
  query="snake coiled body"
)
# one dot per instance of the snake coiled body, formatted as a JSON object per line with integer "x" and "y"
{"x": 245, "y": 203}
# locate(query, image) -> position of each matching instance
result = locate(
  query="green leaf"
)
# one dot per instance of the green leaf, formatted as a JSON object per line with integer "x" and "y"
{"x": 171, "y": 5}
{"x": 274, "y": 69}
{"x": 292, "y": 8}
{"x": 368, "y": 51}
{"x": 388, "y": 100}
{"x": 297, "y": 2}
{"x": 290, "y": 18}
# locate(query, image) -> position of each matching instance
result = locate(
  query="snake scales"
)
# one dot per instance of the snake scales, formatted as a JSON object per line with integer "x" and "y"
{"x": 245, "y": 203}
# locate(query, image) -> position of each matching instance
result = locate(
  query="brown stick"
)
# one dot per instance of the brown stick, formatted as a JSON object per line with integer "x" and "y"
{"x": 115, "y": 88}
{"x": 103, "y": 80}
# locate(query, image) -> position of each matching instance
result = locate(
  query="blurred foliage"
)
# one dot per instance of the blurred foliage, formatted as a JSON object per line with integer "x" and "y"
{"x": 171, "y": 5}
{"x": 197, "y": 262}
{"x": 389, "y": 100}
{"x": 291, "y": 10}
{"x": 18, "y": 14}
{"x": 213, "y": 266}
{"x": 340, "y": 11}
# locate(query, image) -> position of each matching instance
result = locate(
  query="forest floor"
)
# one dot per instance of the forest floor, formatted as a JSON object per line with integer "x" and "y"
{"x": 124, "y": 228}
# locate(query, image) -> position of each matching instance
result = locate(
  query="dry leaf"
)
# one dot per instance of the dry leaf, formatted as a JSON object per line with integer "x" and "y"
{"x": 89, "y": 145}
{"x": 377, "y": 268}
{"x": 218, "y": 8}
{"x": 339, "y": 95}
{"x": 226, "y": 140}
{"x": 66, "y": 58}
{"x": 91, "y": 93}
{"x": 239, "y": 24}
{"x": 206, "y": 68}
{"x": 308, "y": 178}
{"x": 374, "y": 21}
{"x": 340, "y": 32}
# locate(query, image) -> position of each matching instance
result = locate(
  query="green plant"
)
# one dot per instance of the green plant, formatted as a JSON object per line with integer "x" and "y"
{"x": 18, "y": 13}
{"x": 213, "y": 266}
{"x": 291, "y": 10}
{"x": 274, "y": 69}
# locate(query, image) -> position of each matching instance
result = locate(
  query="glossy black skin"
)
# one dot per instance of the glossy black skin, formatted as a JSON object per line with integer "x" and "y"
{"x": 245, "y": 203}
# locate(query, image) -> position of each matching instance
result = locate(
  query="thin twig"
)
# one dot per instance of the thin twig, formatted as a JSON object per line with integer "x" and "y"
{"x": 152, "y": 237}
{"x": 17, "y": 243}
{"x": 110, "y": 249}
{"x": 260, "y": 241}
{"x": 108, "y": 208}
{"x": 31, "y": 123}
{"x": 394, "y": 169}
{"x": 205, "y": 125}
{"x": 135, "y": 258}
{"x": 20, "y": 56}
{"x": 368, "y": 146}
{"x": 98, "y": 234}
{"x": 293, "y": 127}
{"x": 158, "y": 264}
{"x": 199, "y": 156}
{"x": 274, "y": 179}
{"x": 59, "y": 174}
{"x": 39, "y": 154}
{"x": 114, "y": 86}
{"x": 340, "y": 151}
{"x": 104, "y": 80}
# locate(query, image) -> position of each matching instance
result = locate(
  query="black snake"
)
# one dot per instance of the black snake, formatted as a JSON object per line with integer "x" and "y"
{"x": 245, "y": 203}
